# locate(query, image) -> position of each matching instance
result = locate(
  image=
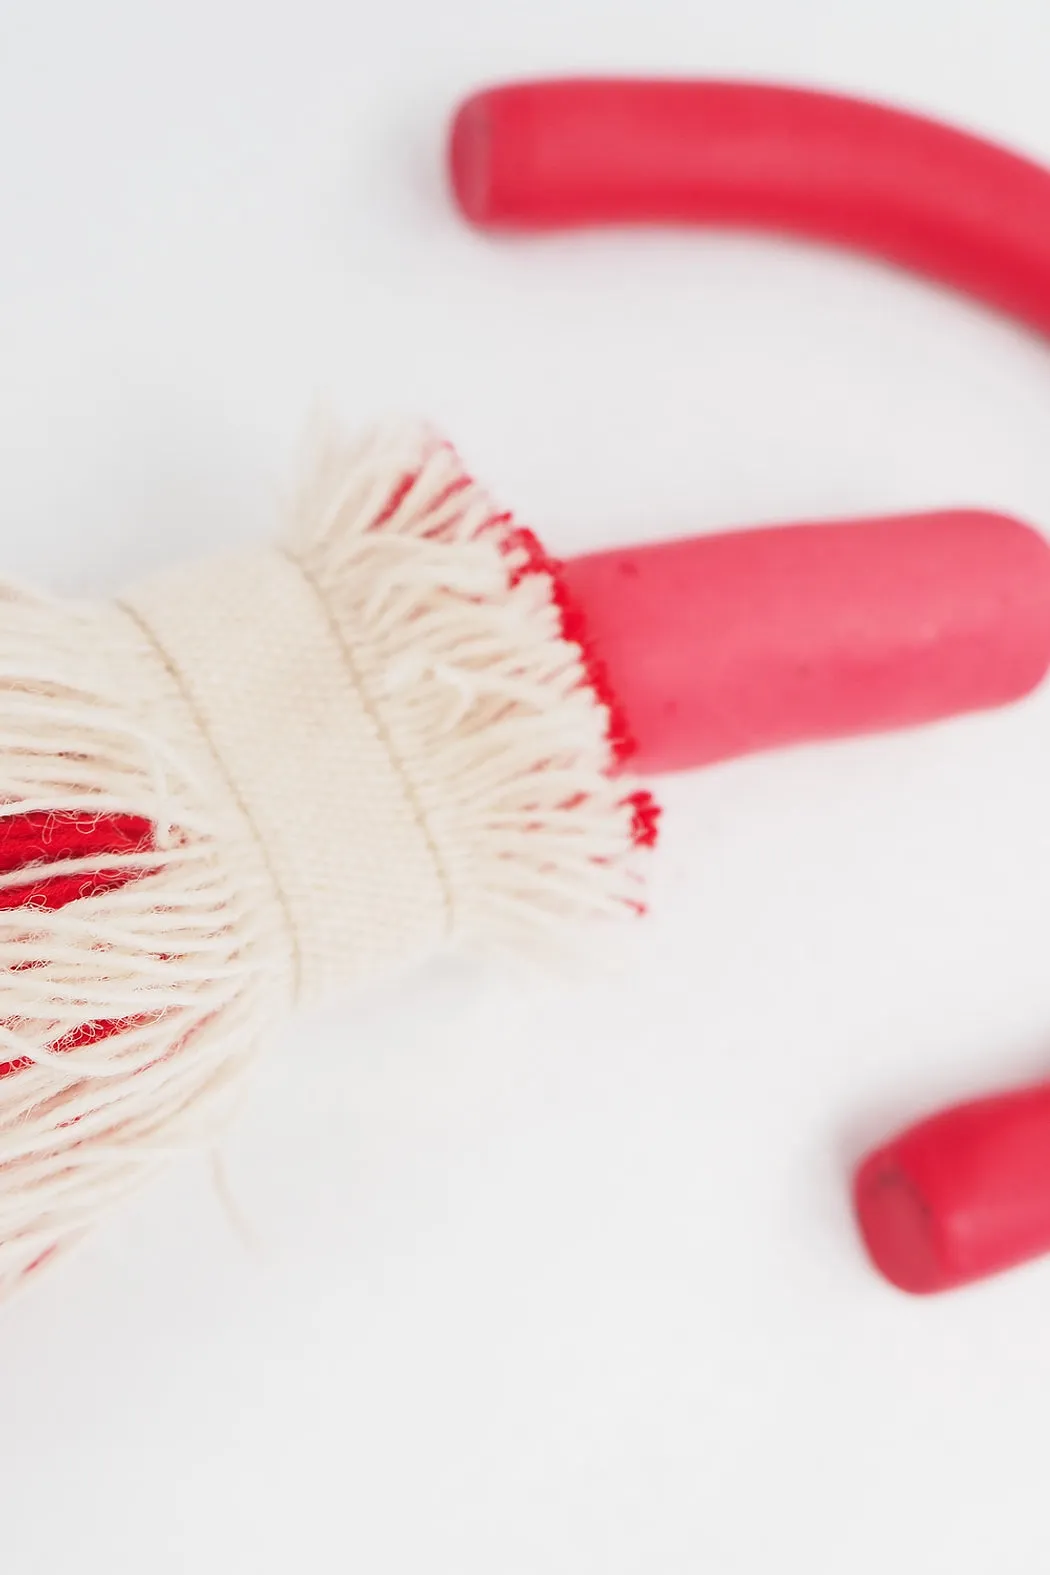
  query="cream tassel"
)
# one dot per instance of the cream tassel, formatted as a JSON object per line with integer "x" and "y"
{"x": 264, "y": 779}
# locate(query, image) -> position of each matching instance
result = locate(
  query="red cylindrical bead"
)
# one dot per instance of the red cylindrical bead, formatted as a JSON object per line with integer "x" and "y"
{"x": 961, "y": 1195}
{"x": 719, "y": 646}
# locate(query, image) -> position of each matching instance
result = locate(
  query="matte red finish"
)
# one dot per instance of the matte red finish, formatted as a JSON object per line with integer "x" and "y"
{"x": 718, "y": 646}
{"x": 723, "y": 645}
{"x": 553, "y": 154}
{"x": 960, "y": 1196}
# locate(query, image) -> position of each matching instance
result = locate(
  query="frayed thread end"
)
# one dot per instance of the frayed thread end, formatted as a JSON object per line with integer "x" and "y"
{"x": 476, "y": 663}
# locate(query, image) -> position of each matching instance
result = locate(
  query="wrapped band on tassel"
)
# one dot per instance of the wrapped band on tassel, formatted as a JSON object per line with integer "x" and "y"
{"x": 266, "y": 778}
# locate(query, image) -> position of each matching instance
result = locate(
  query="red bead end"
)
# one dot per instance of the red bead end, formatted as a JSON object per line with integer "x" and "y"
{"x": 470, "y": 158}
{"x": 961, "y": 1196}
{"x": 897, "y": 1227}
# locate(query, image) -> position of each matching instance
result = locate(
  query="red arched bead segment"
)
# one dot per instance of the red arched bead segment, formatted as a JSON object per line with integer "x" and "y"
{"x": 975, "y": 216}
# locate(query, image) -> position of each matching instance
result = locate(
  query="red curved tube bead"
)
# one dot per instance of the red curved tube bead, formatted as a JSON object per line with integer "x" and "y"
{"x": 945, "y": 203}
{"x": 960, "y": 1196}
{"x": 719, "y": 646}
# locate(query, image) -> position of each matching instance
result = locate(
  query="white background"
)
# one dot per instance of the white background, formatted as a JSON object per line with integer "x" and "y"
{"x": 547, "y": 1278}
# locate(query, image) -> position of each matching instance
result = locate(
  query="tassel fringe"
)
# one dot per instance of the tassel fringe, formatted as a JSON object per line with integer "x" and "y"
{"x": 137, "y": 960}
{"x": 462, "y": 639}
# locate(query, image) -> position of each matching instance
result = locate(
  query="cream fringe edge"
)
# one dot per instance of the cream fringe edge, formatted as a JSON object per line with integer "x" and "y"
{"x": 464, "y": 647}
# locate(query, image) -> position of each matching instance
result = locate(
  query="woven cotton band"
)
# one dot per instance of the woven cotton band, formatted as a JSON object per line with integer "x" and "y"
{"x": 271, "y": 698}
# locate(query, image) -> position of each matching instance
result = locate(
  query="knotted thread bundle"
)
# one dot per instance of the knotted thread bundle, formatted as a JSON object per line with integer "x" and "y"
{"x": 262, "y": 779}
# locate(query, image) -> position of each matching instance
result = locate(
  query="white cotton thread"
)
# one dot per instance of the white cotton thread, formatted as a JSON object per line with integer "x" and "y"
{"x": 353, "y": 749}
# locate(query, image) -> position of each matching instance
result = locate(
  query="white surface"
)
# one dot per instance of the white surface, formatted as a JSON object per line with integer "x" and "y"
{"x": 567, "y": 1283}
